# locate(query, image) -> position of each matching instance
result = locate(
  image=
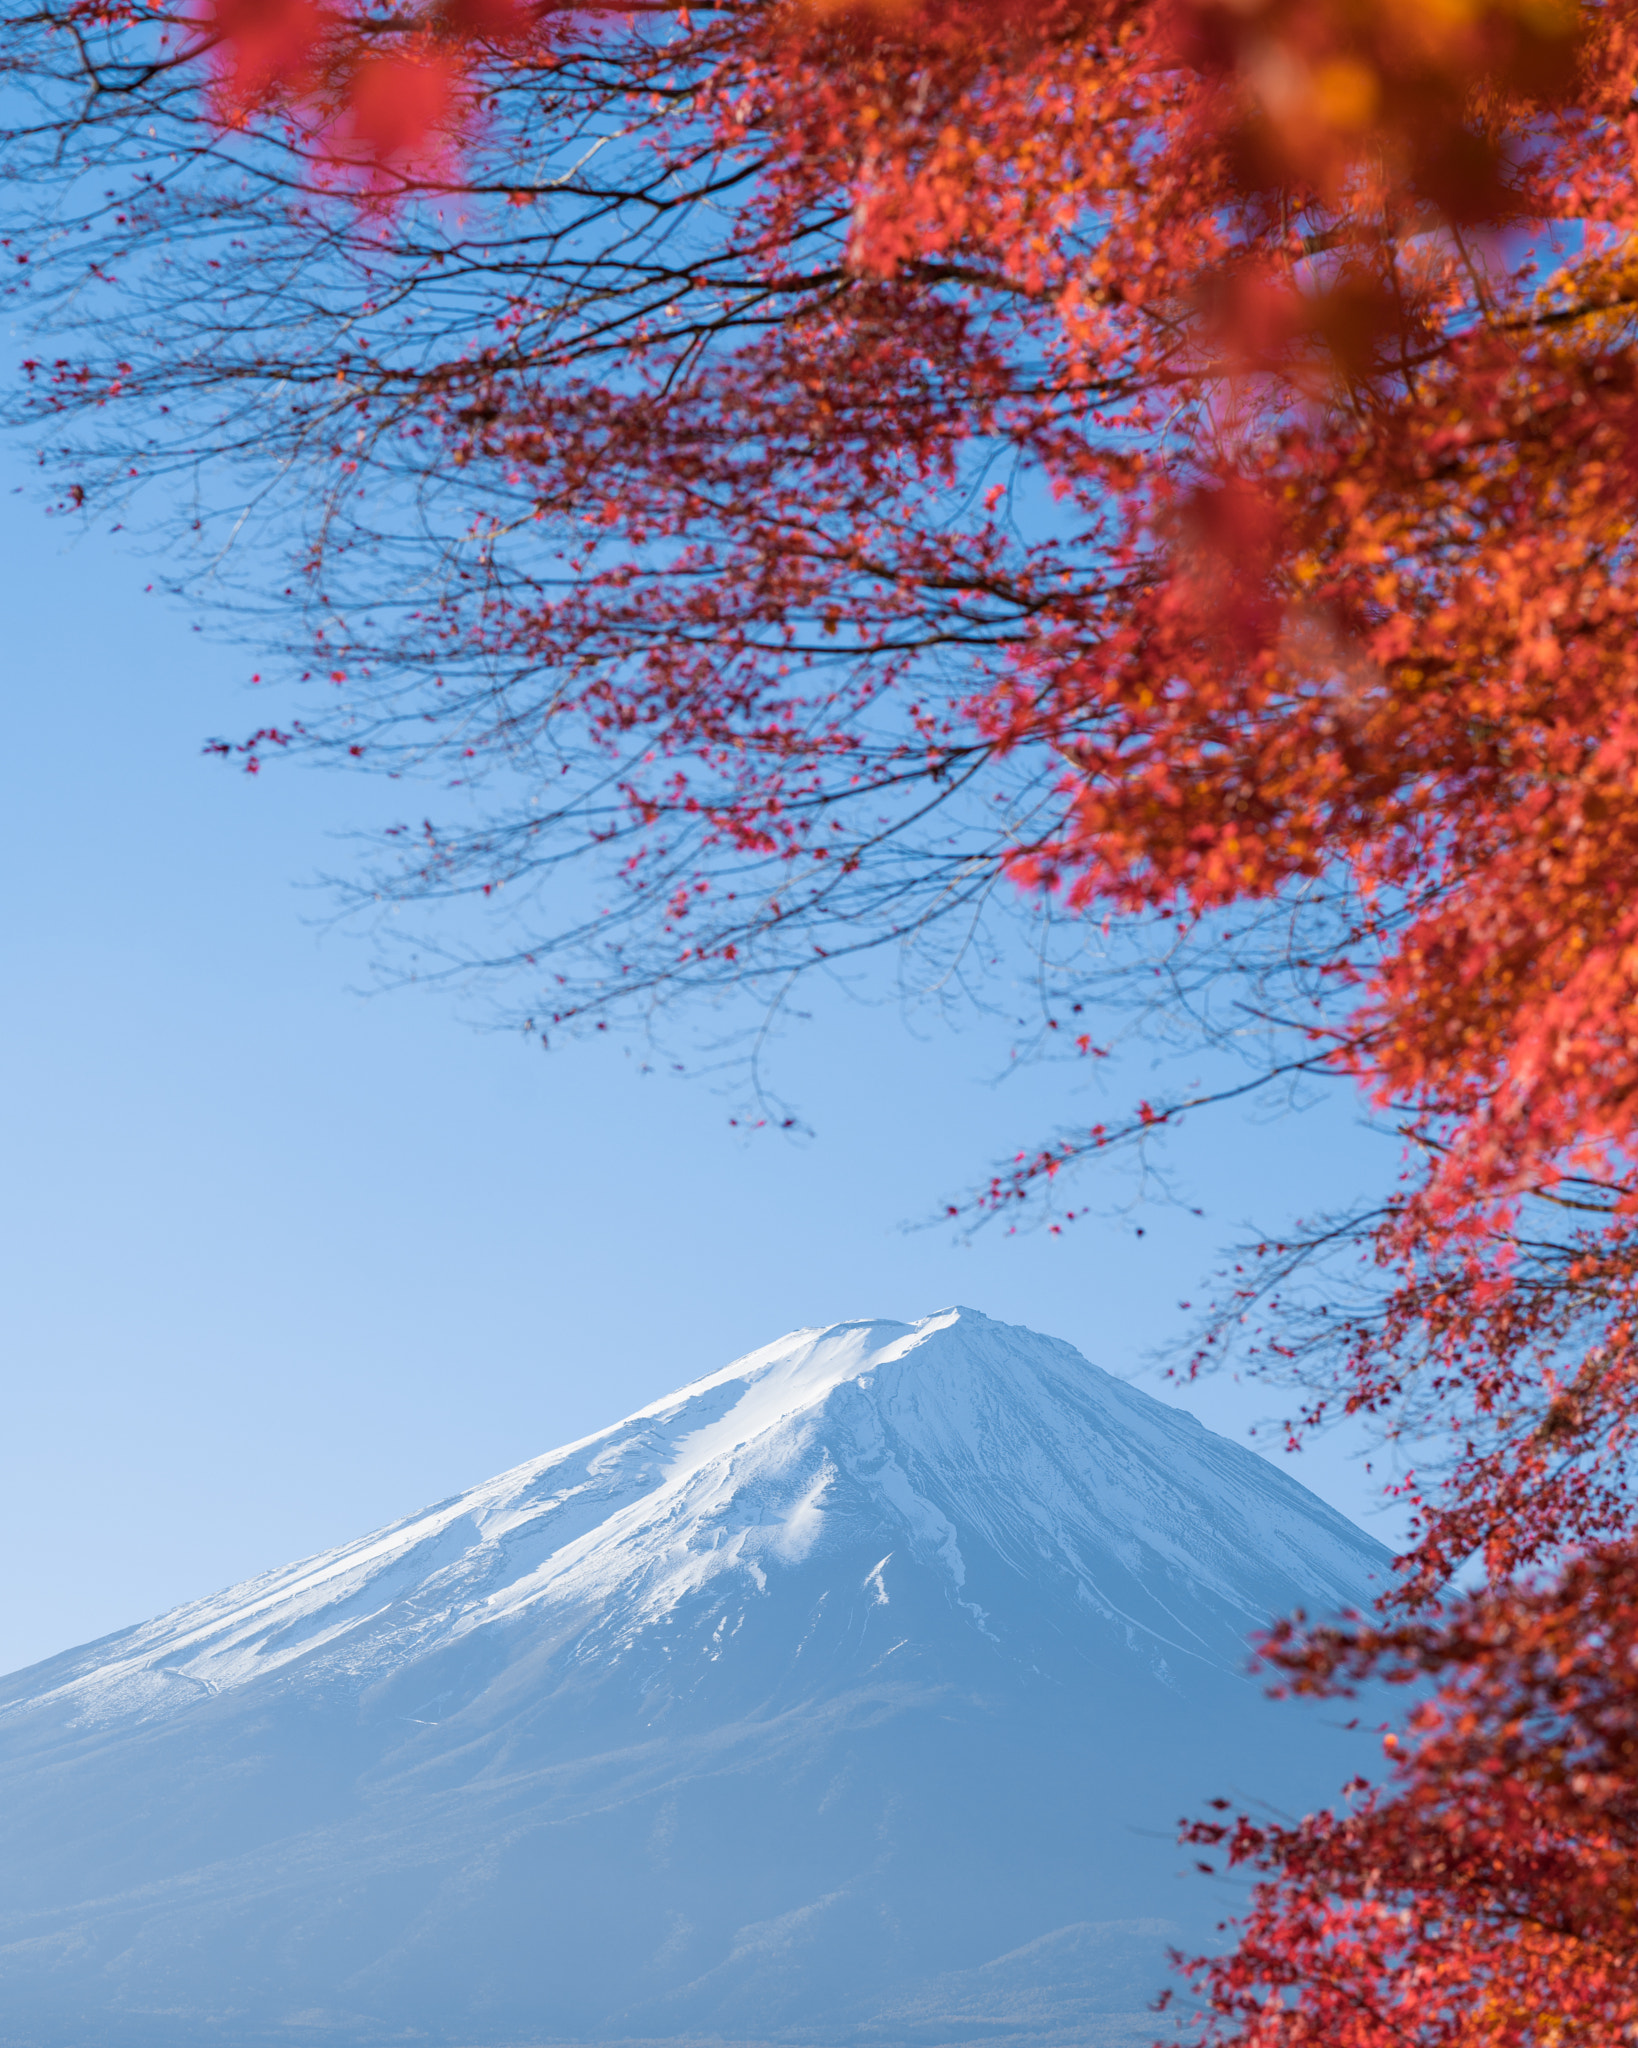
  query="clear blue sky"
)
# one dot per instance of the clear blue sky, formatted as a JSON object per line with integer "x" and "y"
{"x": 279, "y": 1261}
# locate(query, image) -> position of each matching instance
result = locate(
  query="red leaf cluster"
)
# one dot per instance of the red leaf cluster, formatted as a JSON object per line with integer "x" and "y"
{"x": 1173, "y": 458}
{"x": 1487, "y": 1895}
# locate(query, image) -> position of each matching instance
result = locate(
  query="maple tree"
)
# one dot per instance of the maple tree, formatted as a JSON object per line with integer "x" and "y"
{"x": 844, "y": 466}
{"x": 1489, "y": 1894}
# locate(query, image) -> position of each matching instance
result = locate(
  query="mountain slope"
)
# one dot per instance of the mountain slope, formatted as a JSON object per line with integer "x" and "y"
{"x": 810, "y": 1703}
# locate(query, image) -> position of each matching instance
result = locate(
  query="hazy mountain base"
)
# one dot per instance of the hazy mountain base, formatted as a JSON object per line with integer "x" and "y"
{"x": 791, "y": 1870}
{"x": 1098, "y": 1972}
{"x": 1001, "y": 2004}
{"x": 1139, "y": 2029}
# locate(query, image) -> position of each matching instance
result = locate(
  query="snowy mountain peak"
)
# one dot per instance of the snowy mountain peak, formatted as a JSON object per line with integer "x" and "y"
{"x": 846, "y": 1698}
{"x": 956, "y": 1442}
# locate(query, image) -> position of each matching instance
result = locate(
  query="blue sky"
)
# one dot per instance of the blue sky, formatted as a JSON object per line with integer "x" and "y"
{"x": 280, "y": 1260}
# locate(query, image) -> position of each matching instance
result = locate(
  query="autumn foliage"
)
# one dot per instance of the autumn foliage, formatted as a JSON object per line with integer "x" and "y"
{"x": 846, "y": 465}
{"x": 1489, "y": 1893}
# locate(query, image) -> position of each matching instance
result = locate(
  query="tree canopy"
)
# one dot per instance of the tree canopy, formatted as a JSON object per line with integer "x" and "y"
{"x": 837, "y": 467}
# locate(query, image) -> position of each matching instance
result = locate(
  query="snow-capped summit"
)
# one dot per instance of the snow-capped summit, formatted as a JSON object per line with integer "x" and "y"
{"x": 787, "y": 1707}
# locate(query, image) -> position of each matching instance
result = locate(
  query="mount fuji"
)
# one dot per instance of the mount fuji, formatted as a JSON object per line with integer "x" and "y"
{"x": 851, "y": 1694}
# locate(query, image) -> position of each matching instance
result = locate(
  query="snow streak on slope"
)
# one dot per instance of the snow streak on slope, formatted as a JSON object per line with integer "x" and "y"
{"x": 800, "y": 1705}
